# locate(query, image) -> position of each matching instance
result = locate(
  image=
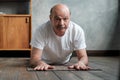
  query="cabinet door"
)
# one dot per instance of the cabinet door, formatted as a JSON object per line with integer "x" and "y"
{"x": 17, "y": 32}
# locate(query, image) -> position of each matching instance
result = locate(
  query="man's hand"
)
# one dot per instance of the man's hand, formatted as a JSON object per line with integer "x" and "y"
{"x": 43, "y": 66}
{"x": 79, "y": 66}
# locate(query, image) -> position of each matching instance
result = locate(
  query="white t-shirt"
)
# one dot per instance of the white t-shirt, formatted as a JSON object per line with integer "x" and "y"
{"x": 58, "y": 49}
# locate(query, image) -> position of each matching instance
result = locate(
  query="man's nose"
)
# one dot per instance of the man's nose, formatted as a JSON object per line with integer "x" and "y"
{"x": 61, "y": 22}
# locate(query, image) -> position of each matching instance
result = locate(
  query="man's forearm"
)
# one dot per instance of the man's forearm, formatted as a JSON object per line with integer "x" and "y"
{"x": 82, "y": 56}
{"x": 35, "y": 56}
{"x": 83, "y": 60}
{"x": 34, "y": 62}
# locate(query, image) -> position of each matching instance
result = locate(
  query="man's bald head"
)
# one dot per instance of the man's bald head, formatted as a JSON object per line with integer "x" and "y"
{"x": 59, "y": 7}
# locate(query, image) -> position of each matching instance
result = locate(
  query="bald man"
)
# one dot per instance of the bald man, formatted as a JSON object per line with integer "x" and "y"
{"x": 54, "y": 41}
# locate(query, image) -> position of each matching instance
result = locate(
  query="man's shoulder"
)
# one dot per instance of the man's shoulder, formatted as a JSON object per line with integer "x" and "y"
{"x": 43, "y": 27}
{"x": 75, "y": 26}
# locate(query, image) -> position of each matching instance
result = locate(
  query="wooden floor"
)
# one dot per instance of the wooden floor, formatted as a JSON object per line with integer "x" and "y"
{"x": 15, "y": 69}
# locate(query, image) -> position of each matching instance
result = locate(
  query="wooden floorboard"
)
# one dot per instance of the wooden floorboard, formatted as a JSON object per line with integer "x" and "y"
{"x": 15, "y": 69}
{"x": 23, "y": 74}
{"x": 85, "y": 75}
{"x": 66, "y": 75}
{"x": 46, "y": 75}
{"x": 109, "y": 65}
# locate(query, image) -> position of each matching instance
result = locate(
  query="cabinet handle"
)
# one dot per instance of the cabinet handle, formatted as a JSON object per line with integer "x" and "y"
{"x": 27, "y": 20}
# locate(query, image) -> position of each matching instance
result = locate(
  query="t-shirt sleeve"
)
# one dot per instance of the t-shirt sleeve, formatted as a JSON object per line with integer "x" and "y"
{"x": 79, "y": 40}
{"x": 37, "y": 40}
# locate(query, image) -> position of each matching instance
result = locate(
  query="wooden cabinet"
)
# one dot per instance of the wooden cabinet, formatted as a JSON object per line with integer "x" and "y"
{"x": 15, "y": 30}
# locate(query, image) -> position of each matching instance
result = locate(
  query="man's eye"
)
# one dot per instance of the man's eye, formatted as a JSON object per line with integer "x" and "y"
{"x": 65, "y": 19}
{"x": 57, "y": 19}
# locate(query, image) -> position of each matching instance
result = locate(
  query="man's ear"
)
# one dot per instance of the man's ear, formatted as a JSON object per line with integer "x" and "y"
{"x": 50, "y": 17}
